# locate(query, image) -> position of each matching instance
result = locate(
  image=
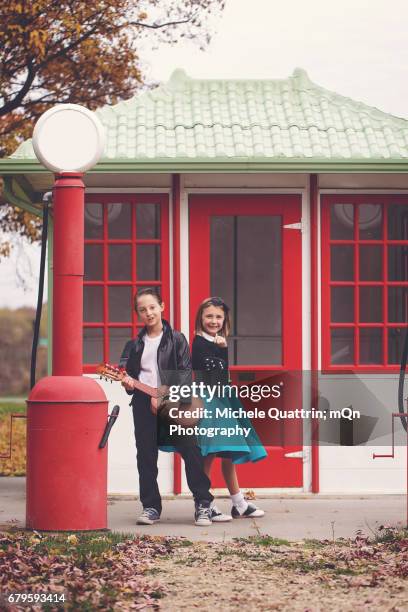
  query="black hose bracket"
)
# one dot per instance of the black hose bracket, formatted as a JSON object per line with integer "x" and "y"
{"x": 111, "y": 421}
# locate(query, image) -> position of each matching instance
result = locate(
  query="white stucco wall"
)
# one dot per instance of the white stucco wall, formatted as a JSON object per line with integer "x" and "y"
{"x": 122, "y": 469}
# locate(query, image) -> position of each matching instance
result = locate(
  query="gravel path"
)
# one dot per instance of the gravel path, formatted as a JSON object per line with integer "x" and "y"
{"x": 263, "y": 575}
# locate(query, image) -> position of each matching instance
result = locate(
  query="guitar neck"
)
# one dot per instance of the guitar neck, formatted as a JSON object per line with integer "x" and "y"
{"x": 110, "y": 372}
{"x": 152, "y": 391}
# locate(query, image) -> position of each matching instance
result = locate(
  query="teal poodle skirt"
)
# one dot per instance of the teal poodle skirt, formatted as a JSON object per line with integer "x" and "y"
{"x": 242, "y": 446}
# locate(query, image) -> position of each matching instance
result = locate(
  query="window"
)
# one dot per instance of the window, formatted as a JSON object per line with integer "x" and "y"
{"x": 126, "y": 248}
{"x": 250, "y": 249}
{"x": 364, "y": 281}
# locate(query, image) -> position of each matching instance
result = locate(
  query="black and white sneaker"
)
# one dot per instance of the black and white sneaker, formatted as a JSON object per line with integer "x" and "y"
{"x": 252, "y": 511}
{"x": 202, "y": 515}
{"x": 148, "y": 517}
{"x": 219, "y": 517}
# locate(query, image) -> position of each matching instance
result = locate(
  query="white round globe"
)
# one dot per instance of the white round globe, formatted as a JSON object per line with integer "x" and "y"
{"x": 68, "y": 138}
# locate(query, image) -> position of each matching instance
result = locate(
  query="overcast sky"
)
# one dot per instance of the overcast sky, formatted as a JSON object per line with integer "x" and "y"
{"x": 357, "y": 48}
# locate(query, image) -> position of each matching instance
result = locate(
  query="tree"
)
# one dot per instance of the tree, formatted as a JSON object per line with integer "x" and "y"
{"x": 78, "y": 51}
{"x": 16, "y": 329}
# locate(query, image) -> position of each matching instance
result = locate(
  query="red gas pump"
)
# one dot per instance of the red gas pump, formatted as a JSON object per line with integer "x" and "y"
{"x": 67, "y": 412}
{"x": 66, "y": 471}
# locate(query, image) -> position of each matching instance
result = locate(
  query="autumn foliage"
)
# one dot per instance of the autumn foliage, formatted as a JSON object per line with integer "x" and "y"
{"x": 80, "y": 51}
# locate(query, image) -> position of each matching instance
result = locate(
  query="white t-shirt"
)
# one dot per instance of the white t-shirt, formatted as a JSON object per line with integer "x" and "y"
{"x": 149, "y": 371}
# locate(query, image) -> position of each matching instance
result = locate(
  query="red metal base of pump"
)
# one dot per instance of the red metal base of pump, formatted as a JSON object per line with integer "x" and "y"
{"x": 66, "y": 471}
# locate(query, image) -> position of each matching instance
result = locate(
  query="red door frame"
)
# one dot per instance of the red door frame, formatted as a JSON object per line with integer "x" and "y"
{"x": 201, "y": 207}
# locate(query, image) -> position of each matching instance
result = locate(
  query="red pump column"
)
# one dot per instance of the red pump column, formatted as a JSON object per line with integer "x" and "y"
{"x": 68, "y": 274}
{"x": 67, "y": 412}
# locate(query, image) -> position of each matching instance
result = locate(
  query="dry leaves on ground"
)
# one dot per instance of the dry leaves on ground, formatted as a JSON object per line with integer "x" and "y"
{"x": 110, "y": 578}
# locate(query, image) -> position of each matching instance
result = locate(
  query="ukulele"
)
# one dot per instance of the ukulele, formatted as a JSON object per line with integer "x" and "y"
{"x": 160, "y": 403}
{"x": 110, "y": 372}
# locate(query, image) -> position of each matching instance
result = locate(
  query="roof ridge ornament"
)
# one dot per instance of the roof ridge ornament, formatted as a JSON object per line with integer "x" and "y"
{"x": 302, "y": 79}
{"x": 178, "y": 79}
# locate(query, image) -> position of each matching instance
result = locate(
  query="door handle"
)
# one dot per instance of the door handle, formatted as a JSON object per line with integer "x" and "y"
{"x": 302, "y": 454}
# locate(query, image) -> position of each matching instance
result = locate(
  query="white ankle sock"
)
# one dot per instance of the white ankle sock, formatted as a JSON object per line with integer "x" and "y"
{"x": 239, "y": 502}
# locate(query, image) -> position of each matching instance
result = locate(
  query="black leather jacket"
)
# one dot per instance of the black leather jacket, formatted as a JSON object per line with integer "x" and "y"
{"x": 173, "y": 357}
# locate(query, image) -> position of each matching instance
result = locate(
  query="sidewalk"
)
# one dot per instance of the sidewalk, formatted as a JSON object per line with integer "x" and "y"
{"x": 287, "y": 517}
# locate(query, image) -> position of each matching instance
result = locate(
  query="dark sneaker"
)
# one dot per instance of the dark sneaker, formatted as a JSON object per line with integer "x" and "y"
{"x": 202, "y": 515}
{"x": 218, "y": 517}
{"x": 251, "y": 512}
{"x": 148, "y": 517}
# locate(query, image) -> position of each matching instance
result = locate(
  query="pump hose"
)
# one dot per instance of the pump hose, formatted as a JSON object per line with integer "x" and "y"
{"x": 36, "y": 335}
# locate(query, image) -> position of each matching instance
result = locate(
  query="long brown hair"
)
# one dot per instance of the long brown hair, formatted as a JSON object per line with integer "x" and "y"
{"x": 218, "y": 303}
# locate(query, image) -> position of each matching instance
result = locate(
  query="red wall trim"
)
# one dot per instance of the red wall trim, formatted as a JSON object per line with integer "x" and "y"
{"x": 176, "y": 298}
{"x": 314, "y": 295}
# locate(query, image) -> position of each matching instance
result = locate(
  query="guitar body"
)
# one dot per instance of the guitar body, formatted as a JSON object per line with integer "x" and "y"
{"x": 186, "y": 415}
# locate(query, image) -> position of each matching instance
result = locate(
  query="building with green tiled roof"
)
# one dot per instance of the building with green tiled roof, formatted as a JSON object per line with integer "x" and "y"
{"x": 290, "y": 202}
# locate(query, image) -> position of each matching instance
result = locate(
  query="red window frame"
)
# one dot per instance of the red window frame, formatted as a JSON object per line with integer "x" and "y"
{"x": 326, "y": 283}
{"x": 163, "y": 284}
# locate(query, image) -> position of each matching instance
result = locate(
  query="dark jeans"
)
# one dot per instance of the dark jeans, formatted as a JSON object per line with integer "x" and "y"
{"x": 146, "y": 435}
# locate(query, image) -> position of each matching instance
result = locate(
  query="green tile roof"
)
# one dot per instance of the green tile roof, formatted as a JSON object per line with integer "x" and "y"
{"x": 236, "y": 120}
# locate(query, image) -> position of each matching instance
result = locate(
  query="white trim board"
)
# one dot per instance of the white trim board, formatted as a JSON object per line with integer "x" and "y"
{"x": 184, "y": 261}
{"x": 306, "y": 337}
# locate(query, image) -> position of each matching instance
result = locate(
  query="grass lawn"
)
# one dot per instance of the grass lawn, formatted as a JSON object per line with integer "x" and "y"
{"x": 16, "y": 465}
{"x": 12, "y": 407}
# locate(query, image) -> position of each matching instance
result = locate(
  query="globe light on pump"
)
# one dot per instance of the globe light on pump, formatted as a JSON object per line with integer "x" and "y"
{"x": 68, "y": 138}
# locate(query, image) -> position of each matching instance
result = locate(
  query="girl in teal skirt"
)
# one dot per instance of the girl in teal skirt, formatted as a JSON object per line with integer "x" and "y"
{"x": 210, "y": 364}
